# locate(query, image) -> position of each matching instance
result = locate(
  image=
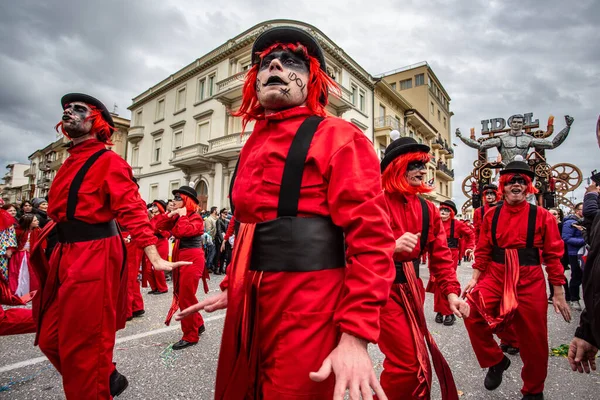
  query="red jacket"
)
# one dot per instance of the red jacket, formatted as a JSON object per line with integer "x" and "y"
{"x": 512, "y": 233}
{"x": 461, "y": 231}
{"x": 405, "y": 215}
{"x": 477, "y": 218}
{"x": 341, "y": 180}
{"x": 181, "y": 227}
{"x": 116, "y": 196}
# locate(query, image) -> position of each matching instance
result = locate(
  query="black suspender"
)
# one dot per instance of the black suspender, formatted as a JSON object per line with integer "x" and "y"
{"x": 77, "y": 181}
{"x": 291, "y": 182}
{"x": 452, "y": 229}
{"x": 531, "y": 219}
{"x": 425, "y": 223}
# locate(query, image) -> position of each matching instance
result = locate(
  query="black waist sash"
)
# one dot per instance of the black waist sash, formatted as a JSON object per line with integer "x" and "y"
{"x": 192, "y": 242}
{"x": 290, "y": 243}
{"x": 529, "y": 255}
{"x": 452, "y": 241}
{"x": 78, "y": 231}
{"x": 400, "y": 275}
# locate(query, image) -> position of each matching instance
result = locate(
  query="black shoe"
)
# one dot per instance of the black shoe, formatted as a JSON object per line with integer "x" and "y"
{"x": 201, "y": 329}
{"x": 118, "y": 383}
{"x": 506, "y": 348}
{"x": 156, "y": 292}
{"x": 152, "y": 292}
{"x": 449, "y": 320}
{"x": 493, "y": 378}
{"x": 138, "y": 313}
{"x": 539, "y": 396}
{"x": 129, "y": 319}
{"x": 439, "y": 318}
{"x": 182, "y": 344}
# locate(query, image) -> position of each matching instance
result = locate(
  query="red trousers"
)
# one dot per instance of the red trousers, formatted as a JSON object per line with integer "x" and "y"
{"x": 529, "y": 322}
{"x": 79, "y": 326}
{"x": 399, "y": 379}
{"x": 156, "y": 279}
{"x": 440, "y": 302}
{"x": 16, "y": 321}
{"x": 189, "y": 279}
{"x": 135, "y": 302}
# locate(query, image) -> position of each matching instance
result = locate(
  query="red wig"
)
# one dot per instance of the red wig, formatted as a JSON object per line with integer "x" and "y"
{"x": 160, "y": 207}
{"x": 318, "y": 87}
{"x": 504, "y": 179}
{"x": 394, "y": 177}
{"x": 100, "y": 127}
{"x": 189, "y": 204}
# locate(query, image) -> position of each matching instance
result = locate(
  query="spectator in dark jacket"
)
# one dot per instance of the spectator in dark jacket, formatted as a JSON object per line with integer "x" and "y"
{"x": 573, "y": 236}
{"x": 558, "y": 214}
{"x": 591, "y": 206}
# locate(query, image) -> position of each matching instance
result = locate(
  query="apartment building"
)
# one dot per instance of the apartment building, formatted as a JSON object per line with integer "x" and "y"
{"x": 14, "y": 184}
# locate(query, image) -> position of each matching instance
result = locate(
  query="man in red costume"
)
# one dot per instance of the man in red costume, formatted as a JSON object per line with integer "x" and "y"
{"x": 514, "y": 237}
{"x": 150, "y": 275}
{"x": 135, "y": 301}
{"x": 455, "y": 231}
{"x": 418, "y": 228}
{"x": 508, "y": 338}
{"x": 83, "y": 299}
{"x": 312, "y": 262}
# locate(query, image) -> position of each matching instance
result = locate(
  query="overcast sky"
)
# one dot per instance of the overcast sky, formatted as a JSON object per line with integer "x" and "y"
{"x": 495, "y": 58}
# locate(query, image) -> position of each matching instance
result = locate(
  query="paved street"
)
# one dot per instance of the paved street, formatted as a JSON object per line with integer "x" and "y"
{"x": 154, "y": 372}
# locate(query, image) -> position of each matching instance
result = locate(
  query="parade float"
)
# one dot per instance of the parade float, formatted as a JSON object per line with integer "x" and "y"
{"x": 520, "y": 136}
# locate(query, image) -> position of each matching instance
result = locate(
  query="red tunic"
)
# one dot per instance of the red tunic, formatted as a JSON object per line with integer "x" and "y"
{"x": 477, "y": 219}
{"x": 461, "y": 231}
{"x": 306, "y": 311}
{"x": 512, "y": 233}
{"x": 108, "y": 191}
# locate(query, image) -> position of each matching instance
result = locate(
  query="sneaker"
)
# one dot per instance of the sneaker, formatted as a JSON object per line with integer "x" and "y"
{"x": 493, "y": 378}
{"x": 576, "y": 305}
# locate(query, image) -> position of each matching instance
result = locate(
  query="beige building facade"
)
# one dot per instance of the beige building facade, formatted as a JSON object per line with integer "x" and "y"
{"x": 15, "y": 183}
{"x": 44, "y": 163}
{"x": 182, "y": 131}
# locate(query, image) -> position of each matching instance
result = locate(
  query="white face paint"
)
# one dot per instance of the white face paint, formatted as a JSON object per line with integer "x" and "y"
{"x": 75, "y": 119}
{"x": 445, "y": 214}
{"x": 515, "y": 193}
{"x": 281, "y": 81}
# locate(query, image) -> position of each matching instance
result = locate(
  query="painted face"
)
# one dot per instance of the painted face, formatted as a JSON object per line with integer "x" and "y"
{"x": 74, "y": 119}
{"x": 177, "y": 202}
{"x": 445, "y": 213}
{"x": 35, "y": 223}
{"x": 515, "y": 190}
{"x": 490, "y": 196}
{"x": 416, "y": 173}
{"x": 27, "y": 208}
{"x": 516, "y": 124}
{"x": 12, "y": 211}
{"x": 556, "y": 215}
{"x": 281, "y": 80}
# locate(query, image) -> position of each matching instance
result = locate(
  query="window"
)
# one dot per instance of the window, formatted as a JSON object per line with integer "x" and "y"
{"x": 201, "y": 89}
{"x": 160, "y": 110}
{"x": 154, "y": 191}
{"x": 393, "y": 85}
{"x": 353, "y": 94}
{"x": 419, "y": 80}
{"x": 412, "y": 134}
{"x": 445, "y": 122}
{"x": 381, "y": 110}
{"x": 203, "y": 132}
{"x": 180, "y": 99}
{"x": 138, "y": 118}
{"x": 406, "y": 84}
{"x": 246, "y": 66}
{"x": 439, "y": 115}
{"x": 173, "y": 185}
{"x": 177, "y": 140}
{"x": 211, "y": 85}
{"x": 135, "y": 156}
{"x": 361, "y": 100}
{"x": 156, "y": 150}
{"x": 431, "y": 107}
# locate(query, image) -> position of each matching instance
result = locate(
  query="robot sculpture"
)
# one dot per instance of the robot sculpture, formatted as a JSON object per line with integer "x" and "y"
{"x": 521, "y": 138}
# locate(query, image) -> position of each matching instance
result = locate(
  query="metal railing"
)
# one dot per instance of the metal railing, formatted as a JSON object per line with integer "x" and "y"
{"x": 444, "y": 168}
{"x": 389, "y": 122}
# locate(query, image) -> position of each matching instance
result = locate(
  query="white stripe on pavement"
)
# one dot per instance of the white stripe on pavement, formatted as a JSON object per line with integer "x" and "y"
{"x": 38, "y": 360}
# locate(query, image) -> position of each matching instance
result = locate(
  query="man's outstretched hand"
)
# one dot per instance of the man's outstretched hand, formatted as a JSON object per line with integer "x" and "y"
{"x": 351, "y": 364}
{"x": 210, "y": 304}
{"x": 160, "y": 264}
{"x": 582, "y": 356}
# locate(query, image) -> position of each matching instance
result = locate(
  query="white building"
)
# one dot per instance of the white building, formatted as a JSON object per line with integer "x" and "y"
{"x": 182, "y": 132}
{"x": 15, "y": 182}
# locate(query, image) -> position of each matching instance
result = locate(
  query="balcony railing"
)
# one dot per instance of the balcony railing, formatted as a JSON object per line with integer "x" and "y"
{"x": 56, "y": 163}
{"x": 192, "y": 151}
{"x": 389, "y": 122}
{"x": 137, "y": 171}
{"x": 236, "y": 139}
{"x": 444, "y": 168}
{"x": 233, "y": 81}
